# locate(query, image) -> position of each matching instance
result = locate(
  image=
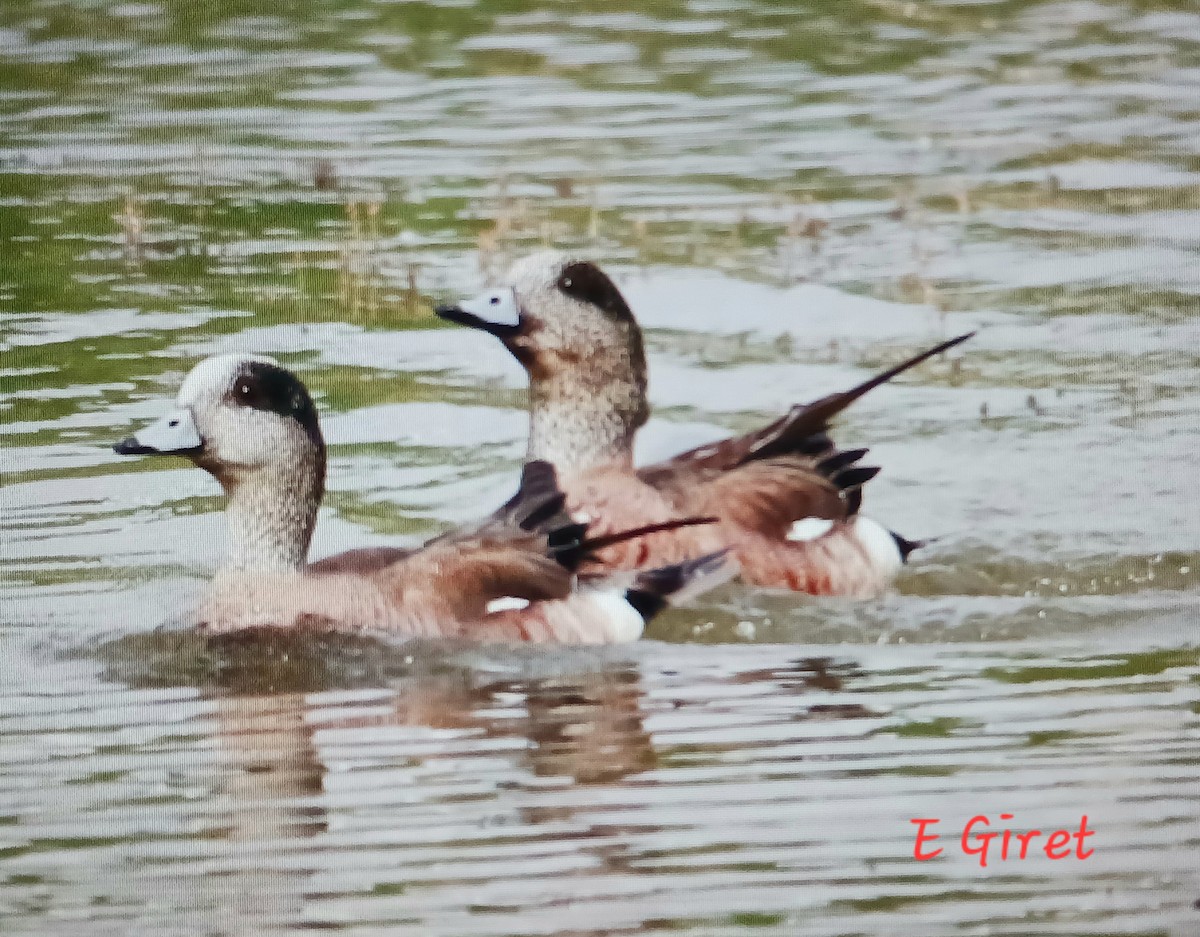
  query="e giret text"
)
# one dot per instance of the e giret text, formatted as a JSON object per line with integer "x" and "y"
{"x": 980, "y": 839}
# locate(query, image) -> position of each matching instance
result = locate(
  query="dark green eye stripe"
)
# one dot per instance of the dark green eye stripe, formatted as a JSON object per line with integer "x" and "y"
{"x": 588, "y": 283}
{"x": 262, "y": 386}
{"x": 272, "y": 389}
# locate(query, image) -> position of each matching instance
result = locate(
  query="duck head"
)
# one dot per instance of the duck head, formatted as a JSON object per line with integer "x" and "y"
{"x": 234, "y": 415}
{"x": 552, "y": 311}
{"x": 566, "y": 322}
{"x": 252, "y": 425}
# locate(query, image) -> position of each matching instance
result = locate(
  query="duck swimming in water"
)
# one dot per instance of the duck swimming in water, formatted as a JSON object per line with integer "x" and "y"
{"x": 787, "y": 498}
{"x": 252, "y": 425}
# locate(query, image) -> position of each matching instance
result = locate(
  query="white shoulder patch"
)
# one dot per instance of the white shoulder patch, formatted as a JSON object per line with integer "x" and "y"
{"x": 809, "y": 528}
{"x": 624, "y": 622}
{"x": 507, "y": 603}
{"x": 879, "y": 544}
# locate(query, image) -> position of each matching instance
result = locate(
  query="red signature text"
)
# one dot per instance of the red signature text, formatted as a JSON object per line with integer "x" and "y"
{"x": 980, "y": 838}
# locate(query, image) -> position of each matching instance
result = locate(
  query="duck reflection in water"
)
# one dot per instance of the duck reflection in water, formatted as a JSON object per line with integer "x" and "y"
{"x": 391, "y": 749}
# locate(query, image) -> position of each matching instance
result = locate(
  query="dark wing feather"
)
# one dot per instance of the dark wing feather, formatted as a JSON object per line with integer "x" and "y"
{"x": 468, "y": 574}
{"x": 535, "y": 514}
{"x": 805, "y": 423}
{"x": 538, "y": 510}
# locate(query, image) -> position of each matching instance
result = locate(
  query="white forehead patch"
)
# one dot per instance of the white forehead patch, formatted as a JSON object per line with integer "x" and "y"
{"x": 213, "y": 376}
{"x": 537, "y": 271}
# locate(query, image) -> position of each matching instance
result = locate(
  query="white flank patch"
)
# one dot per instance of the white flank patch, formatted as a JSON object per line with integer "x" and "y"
{"x": 809, "y": 528}
{"x": 508, "y": 603}
{"x": 581, "y": 517}
{"x": 879, "y": 544}
{"x": 624, "y": 621}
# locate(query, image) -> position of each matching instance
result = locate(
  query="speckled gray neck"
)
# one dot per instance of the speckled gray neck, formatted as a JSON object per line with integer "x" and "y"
{"x": 271, "y": 515}
{"x": 576, "y": 424}
{"x": 582, "y": 349}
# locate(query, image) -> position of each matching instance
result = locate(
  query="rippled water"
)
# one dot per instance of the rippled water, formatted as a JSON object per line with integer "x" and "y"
{"x": 790, "y": 195}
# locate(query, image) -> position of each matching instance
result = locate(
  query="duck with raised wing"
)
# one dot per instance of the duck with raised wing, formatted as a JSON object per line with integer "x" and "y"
{"x": 786, "y": 497}
{"x": 252, "y": 425}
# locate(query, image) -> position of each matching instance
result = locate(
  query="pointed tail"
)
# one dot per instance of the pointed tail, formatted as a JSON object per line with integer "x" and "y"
{"x": 803, "y": 427}
{"x": 906, "y": 546}
{"x": 655, "y": 589}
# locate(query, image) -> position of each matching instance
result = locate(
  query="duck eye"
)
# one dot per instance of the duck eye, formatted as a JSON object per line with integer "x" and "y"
{"x": 244, "y": 390}
{"x": 566, "y": 282}
{"x": 495, "y": 300}
{"x": 173, "y": 423}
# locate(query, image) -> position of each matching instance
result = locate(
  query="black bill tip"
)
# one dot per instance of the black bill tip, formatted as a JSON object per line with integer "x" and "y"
{"x": 460, "y": 316}
{"x": 130, "y": 446}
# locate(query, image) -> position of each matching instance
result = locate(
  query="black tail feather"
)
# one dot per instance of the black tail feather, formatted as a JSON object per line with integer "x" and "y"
{"x": 572, "y": 554}
{"x": 906, "y": 546}
{"x": 855, "y": 477}
{"x": 839, "y": 461}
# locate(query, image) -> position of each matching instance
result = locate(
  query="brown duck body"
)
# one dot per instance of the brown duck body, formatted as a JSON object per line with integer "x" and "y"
{"x": 400, "y": 599}
{"x": 502, "y": 584}
{"x": 514, "y": 577}
{"x": 787, "y": 500}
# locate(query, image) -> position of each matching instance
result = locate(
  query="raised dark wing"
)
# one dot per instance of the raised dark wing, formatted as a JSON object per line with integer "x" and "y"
{"x": 535, "y": 514}
{"x": 538, "y": 511}
{"x": 801, "y": 468}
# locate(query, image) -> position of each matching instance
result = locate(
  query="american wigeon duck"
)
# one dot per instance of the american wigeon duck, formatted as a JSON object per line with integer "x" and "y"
{"x": 252, "y": 425}
{"x": 786, "y": 497}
